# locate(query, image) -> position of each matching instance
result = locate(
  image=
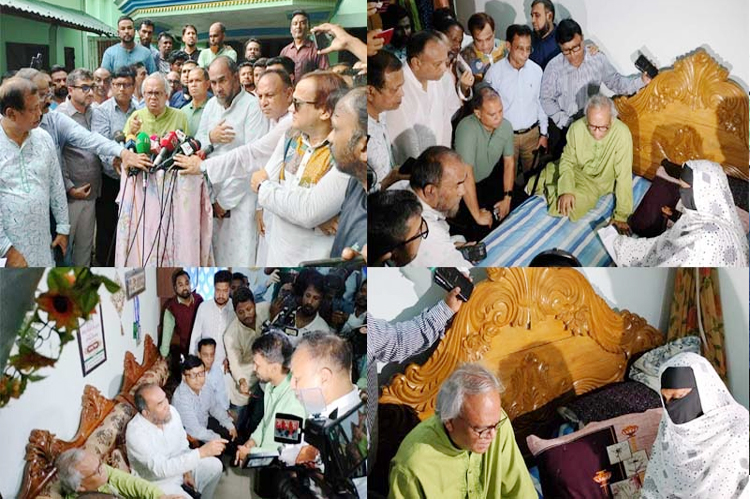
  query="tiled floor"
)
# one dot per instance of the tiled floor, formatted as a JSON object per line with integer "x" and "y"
{"x": 235, "y": 483}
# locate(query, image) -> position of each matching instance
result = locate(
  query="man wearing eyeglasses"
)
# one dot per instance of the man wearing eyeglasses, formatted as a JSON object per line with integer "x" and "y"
{"x": 518, "y": 81}
{"x": 597, "y": 160}
{"x": 300, "y": 185}
{"x": 81, "y": 470}
{"x": 108, "y": 118}
{"x": 82, "y": 169}
{"x": 466, "y": 450}
{"x": 569, "y": 78}
{"x": 196, "y": 404}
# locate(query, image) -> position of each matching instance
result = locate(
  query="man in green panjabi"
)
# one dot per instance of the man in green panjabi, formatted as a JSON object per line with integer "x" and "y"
{"x": 466, "y": 450}
{"x": 597, "y": 160}
{"x": 79, "y": 470}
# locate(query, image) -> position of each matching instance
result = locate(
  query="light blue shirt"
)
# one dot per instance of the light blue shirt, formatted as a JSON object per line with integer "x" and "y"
{"x": 107, "y": 119}
{"x": 31, "y": 186}
{"x": 64, "y": 130}
{"x": 215, "y": 382}
{"x": 194, "y": 410}
{"x": 117, "y": 56}
{"x": 519, "y": 90}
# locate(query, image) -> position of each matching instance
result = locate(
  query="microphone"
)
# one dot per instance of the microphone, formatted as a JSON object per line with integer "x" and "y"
{"x": 154, "y": 148}
{"x": 203, "y": 153}
{"x": 142, "y": 145}
{"x": 168, "y": 144}
{"x": 119, "y": 137}
{"x": 188, "y": 147}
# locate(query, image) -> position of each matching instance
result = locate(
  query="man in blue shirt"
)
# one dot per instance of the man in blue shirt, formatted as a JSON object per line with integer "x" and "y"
{"x": 127, "y": 52}
{"x": 543, "y": 44}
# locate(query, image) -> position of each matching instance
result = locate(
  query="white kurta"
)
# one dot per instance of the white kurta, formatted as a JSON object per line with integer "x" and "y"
{"x": 212, "y": 322}
{"x": 298, "y": 210}
{"x": 424, "y": 117}
{"x": 162, "y": 456}
{"x": 710, "y": 236}
{"x": 708, "y": 456}
{"x": 235, "y": 238}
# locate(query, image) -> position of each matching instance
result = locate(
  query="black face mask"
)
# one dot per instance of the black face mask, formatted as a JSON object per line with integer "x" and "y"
{"x": 685, "y": 409}
{"x": 686, "y": 194}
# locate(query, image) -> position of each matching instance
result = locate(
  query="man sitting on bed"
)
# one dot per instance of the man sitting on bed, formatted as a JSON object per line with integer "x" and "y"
{"x": 597, "y": 160}
{"x": 466, "y": 450}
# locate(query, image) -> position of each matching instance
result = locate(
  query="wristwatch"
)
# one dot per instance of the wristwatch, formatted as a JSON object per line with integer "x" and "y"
{"x": 507, "y": 194}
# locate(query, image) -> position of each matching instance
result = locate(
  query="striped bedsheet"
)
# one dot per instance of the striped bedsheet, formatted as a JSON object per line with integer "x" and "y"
{"x": 529, "y": 231}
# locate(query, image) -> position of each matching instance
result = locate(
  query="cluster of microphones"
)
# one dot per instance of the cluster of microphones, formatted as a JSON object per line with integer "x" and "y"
{"x": 162, "y": 151}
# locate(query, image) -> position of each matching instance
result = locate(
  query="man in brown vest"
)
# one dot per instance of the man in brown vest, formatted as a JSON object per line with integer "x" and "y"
{"x": 178, "y": 316}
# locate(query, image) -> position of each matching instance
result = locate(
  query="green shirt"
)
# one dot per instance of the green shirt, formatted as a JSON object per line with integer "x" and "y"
{"x": 193, "y": 116}
{"x": 275, "y": 399}
{"x": 589, "y": 169}
{"x": 170, "y": 119}
{"x": 124, "y": 485}
{"x": 206, "y": 57}
{"x": 428, "y": 465}
{"x": 480, "y": 148}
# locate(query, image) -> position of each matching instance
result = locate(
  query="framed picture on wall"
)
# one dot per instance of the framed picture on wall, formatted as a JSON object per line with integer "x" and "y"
{"x": 135, "y": 282}
{"x": 91, "y": 345}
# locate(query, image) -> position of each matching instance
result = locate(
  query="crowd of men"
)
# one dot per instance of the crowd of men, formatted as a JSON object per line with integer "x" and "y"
{"x": 236, "y": 361}
{"x": 273, "y": 151}
{"x": 459, "y": 123}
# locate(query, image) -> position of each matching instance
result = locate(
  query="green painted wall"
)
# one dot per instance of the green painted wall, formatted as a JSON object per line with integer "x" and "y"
{"x": 20, "y": 30}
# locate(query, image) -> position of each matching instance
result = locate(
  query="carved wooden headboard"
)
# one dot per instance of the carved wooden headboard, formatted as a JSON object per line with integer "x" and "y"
{"x": 44, "y": 448}
{"x": 544, "y": 331}
{"x": 689, "y": 112}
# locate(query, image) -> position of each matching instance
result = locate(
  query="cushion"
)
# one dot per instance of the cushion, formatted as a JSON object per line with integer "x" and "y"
{"x": 648, "y": 220}
{"x": 103, "y": 439}
{"x": 610, "y": 401}
{"x": 646, "y": 369}
{"x": 600, "y": 446}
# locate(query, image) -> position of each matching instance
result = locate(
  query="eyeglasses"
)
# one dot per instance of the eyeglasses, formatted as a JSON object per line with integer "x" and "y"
{"x": 482, "y": 433}
{"x": 596, "y": 128}
{"x": 424, "y": 230}
{"x": 122, "y": 85}
{"x": 195, "y": 375}
{"x": 298, "y": 103}
{"x": 173, "y": 82}
{"x": 573, "y": 50}
{"x": 85, "y": 88}
{"x": 153, "y": 94}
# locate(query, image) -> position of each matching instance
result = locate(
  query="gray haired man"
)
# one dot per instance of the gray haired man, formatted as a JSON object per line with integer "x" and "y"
{"x": 466, "y": 450}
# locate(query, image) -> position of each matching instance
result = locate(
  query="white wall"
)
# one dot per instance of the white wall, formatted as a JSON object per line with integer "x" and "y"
{"x": 733, "y": 284}
{"x": 394, "y": 294}
{"x": 54, "y": 403}
{"x": 661, "y": 29}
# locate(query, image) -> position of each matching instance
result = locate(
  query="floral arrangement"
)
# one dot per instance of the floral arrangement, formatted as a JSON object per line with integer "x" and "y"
{"x": 72, "y": 296}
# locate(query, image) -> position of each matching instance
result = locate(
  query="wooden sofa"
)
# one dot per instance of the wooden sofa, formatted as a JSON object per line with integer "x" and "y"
{"x": 102, "y": 426}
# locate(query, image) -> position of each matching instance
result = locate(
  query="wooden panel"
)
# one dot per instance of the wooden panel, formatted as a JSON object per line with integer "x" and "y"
{"x": 692, "y": 111}
{"x": 44, "y": 448}
{"x": 545, "y": 333}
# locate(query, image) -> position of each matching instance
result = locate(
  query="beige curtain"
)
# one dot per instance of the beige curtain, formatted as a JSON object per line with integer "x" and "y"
{"x": 695, "y": 307}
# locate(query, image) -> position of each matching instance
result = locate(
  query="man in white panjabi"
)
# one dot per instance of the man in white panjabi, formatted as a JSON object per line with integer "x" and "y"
{"x": 231, "y": 119}
{"x": 158, "y": 449}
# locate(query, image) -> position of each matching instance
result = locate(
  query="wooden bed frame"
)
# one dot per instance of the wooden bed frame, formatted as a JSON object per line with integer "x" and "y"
{"x": 545, "y": 333}
{"x": 692, "y": 111}
{"x": 44, "y": 448}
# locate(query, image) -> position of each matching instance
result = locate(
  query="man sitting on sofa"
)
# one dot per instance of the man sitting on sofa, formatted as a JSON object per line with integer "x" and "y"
{"x": 158, "y": 449}
{"x": 81, "y": 470}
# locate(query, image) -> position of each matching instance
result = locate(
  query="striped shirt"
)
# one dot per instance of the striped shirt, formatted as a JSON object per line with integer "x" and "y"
{"x": 397, "y": 342}
{"x": 565, "y": 89}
